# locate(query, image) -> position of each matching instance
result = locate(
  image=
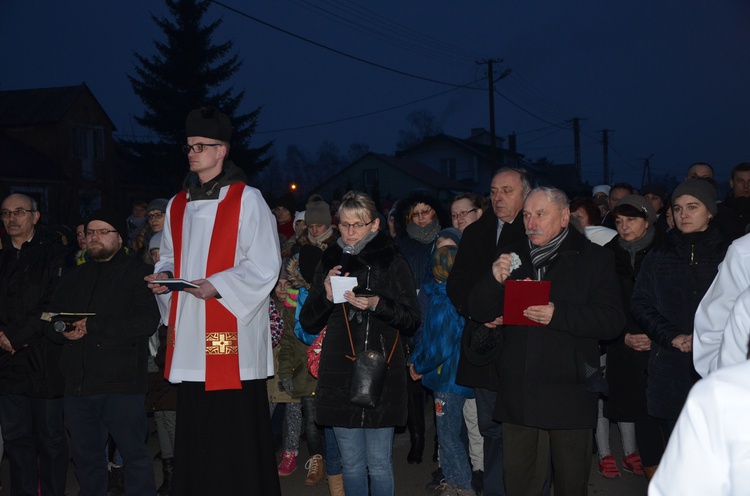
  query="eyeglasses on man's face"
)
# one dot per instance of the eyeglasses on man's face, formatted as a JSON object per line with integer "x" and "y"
{"x": 155, "y": 215}
{"x": 197, "y": 147}
{"x": 461, "y": 215}
{"x": 17, "y": 213}
{"x": 357, "y": 225}
{"x": 99, "y": 232}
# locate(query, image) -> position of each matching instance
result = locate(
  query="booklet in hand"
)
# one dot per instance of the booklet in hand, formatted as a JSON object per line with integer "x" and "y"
{"x": 67, "y": 317}
{"x": 175, "y": 284}
{"x": 520, "y": 295}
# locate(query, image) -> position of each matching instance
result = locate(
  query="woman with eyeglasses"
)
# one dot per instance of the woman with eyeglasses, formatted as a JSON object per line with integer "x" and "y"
{"x": 374, "y": 319}
{"x": 418, "y": 220}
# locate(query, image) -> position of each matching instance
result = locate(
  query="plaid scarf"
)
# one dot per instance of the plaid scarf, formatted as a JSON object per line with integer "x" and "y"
{"x": 541, "y": 256}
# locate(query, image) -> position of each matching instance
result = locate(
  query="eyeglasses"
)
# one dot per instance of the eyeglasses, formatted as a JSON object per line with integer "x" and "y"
{"x": 198, "y": 147}
{"x": 420, "y": 214}
{"x": 461, "y": 215}
{"x": 357, "y": 225}
{"x": 19, "y": 212}
{"x": 99, "y": 232}
{"x": 156, "y": 215}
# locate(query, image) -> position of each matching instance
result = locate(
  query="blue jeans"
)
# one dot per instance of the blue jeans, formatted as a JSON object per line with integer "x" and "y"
{"x": 89, "y": 419}
{"x": 333, "y": 454}
{"x": 454, "y": 456}
{"x": 363, "y": 452}
{"x": 35, "y": 444}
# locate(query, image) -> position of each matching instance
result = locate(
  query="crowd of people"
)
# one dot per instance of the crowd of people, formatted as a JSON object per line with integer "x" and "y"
{"x": 531, "y": 322}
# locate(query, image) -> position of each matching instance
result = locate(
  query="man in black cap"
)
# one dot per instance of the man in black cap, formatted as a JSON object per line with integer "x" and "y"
{"x": 219, "y": 234}
{"x": 104, "y": 358}
{"x": 31, "y": 410}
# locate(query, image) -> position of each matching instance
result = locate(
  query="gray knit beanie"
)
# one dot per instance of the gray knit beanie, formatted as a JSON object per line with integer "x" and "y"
{"x": 640, "y": 203}
{"x": 702, "y": 190}
{"x": 318, "y": 212}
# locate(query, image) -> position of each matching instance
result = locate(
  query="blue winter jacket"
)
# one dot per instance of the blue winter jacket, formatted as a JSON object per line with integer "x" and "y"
{"x": 436, "y": 354}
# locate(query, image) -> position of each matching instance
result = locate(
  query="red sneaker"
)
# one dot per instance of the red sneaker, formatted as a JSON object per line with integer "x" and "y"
{"x": 289, "y": 463}
{"x": 608, "y": 467}
{"x": 633, "y": 463}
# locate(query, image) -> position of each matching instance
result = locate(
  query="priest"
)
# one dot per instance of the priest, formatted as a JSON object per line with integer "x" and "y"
{"x": 220, "y": 235}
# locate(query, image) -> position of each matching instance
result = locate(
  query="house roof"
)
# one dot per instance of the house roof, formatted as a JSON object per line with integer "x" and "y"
{"x": 485, "y": 151}
{"x": 420, "y": 171}
{"x": 39, "y": 106}
{"x": 21, "y": 162}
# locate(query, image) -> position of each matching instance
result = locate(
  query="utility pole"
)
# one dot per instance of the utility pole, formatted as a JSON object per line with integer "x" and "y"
{"x": 646, "y": 171}
{"x": 491, "y": 86}
{"x": 577, "y": 147}
{"x": 605, "y": 144}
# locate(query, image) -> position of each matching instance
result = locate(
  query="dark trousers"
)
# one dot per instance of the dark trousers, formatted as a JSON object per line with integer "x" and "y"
{"x": 492, "y": 432}
{"x": 527, "y": 452}
{"x": 35, "y": 444}
{"x": 89, "y": 420}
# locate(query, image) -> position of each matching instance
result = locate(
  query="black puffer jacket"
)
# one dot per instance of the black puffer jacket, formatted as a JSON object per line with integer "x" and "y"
{"x": 670, "y": 285}
{"x": 397, "y": 311}
{"x": 112, "y": 357}
{"x": 28, "y": 278}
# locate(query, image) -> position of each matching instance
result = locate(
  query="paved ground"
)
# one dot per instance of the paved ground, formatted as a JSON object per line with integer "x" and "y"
{"x": 410, "y": 479}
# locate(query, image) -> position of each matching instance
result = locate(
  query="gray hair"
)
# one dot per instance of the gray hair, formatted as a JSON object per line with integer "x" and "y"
{"x": 522, "y": 173}
{"x": 553, "y": 195}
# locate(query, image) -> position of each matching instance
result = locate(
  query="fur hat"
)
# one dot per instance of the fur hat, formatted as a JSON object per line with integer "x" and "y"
{"x": 208, "y": 122}
{"x": 159, "y": 204}
{"x": 111, "y": 218}
{"x": 641, "y": 204}
{"x": 318, "y": 212}
{"x": 699, "y": 188}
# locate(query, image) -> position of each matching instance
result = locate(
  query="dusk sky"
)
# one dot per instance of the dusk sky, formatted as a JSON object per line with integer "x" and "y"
{"x": 669, "y": 78}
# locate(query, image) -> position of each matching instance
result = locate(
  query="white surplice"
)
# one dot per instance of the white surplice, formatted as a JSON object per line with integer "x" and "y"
{"x": 244, "y": 288}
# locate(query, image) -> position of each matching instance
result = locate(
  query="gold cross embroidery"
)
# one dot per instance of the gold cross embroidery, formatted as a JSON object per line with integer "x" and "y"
{"x": 221, "y": 343}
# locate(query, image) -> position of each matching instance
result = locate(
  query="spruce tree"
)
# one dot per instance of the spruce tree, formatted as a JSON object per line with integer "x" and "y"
{"x": 189, "y": 71}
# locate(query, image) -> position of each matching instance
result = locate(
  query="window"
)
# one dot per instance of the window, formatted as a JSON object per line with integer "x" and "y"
{"x": 448, "y": 167}
{"x": 370, "y": 178}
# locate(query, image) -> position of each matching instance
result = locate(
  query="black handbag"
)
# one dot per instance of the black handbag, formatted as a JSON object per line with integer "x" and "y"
{"x": 368, "y": 372}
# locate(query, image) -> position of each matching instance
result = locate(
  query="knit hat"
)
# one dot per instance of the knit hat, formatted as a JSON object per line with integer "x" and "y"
{"x": 208, "y": 122}
{"x": 287, "y": 201}
{"x": 641, "y": 204}
{"x": 299, "y": 216}
{"x": 155, "y": 241}
{"x": 318, "y": 212}
{"x": 601, "y": 188}
{"x": 159, "y": 204}
{"x": 699, "y": 188}
{"x": 442, "y": 262}
{"x": 654, "y": 189}
{"x": 450, "y": 233}
{"x": 309, "y": 258}
{"x": 111, "y": 218}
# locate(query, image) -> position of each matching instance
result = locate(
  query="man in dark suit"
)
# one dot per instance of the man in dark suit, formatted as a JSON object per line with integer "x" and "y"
{"x": 480, "y": 244}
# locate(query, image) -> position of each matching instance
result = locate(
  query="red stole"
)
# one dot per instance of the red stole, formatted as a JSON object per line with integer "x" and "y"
{"x": 222, "y": 346}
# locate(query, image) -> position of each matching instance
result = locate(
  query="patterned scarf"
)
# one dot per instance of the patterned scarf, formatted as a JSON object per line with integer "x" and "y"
{"x": 541, "y": 256}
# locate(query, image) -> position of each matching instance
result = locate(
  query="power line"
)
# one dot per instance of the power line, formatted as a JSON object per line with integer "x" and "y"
{"x": 334, "y": 50}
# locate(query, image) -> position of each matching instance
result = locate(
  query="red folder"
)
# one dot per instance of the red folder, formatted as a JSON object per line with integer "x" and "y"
{"x": 520, "y": 295}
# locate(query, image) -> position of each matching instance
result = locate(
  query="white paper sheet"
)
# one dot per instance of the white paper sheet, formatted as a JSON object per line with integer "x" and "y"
{"x": 341, "y": 284}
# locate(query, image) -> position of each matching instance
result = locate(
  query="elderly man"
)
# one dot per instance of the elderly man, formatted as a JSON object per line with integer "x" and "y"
{"x": 105, "y": 355}
{"x": 547, "y": 396}
{"x": 220, "y": 234}
{"x": 31, "y": 409}
{"x": 479, "y": 246}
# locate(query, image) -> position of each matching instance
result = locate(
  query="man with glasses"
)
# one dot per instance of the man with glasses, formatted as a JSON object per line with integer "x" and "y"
{"x": 104, "y": 358}
{"x": 220, "y": 235}
{"x": 31, "y": 409}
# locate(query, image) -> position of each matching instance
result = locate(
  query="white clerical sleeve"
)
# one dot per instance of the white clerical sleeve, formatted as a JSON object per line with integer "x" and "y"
{"x": 716, "y": 305}
{"x": 734, "y": 345}
{"x": 244, "y": 288}
{"x": 166, "y": 262}
{"x": 695, "y": 461}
